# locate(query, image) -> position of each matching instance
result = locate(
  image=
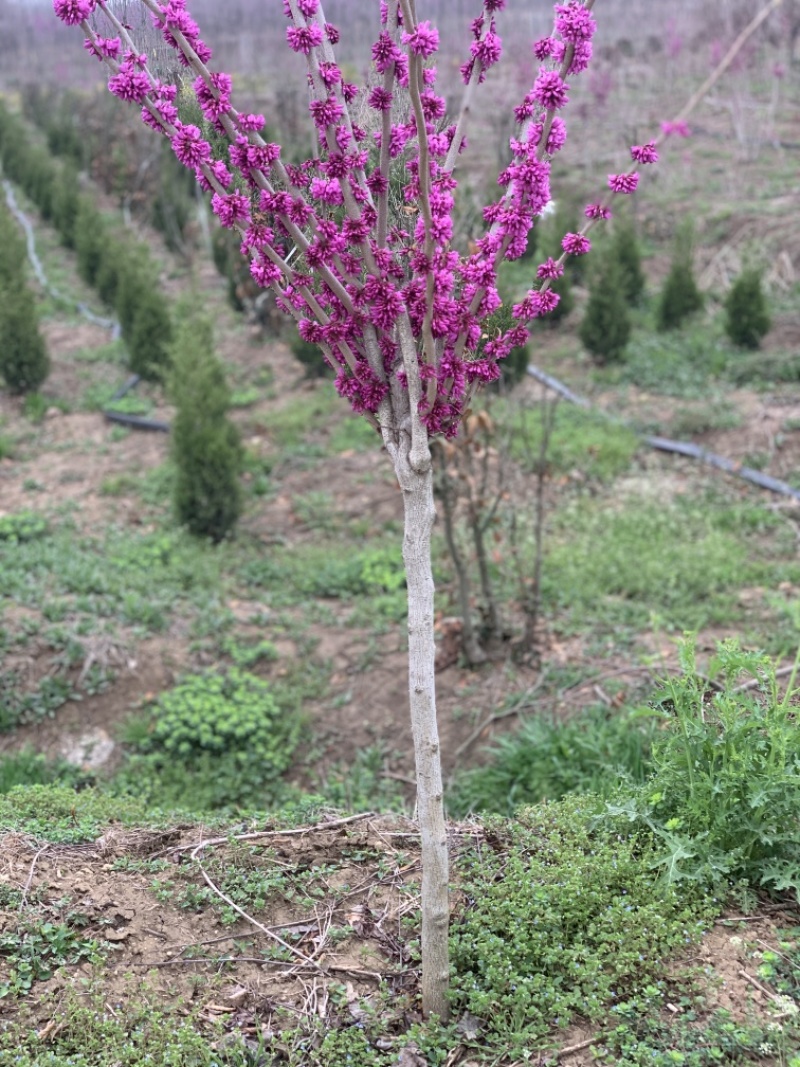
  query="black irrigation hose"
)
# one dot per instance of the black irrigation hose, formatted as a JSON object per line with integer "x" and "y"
{"x": 135, "y": 422}
{"x": 681, "y": 448}
{"x": 38, "y": 269}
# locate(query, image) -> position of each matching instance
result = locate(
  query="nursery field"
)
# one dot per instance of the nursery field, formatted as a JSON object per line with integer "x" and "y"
{"x": 208, "y": 851}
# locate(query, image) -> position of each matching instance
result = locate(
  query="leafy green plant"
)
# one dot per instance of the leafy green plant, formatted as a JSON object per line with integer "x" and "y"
{"x": 215, "y": 740}
{"x": 724, "y": 798}
{"x": 563, "y": 920}
{"x": 23, "y": 526}
{"x": 746, "y": 315}
{"x": 546, "y": 759}
{"x": 33, "y": 952}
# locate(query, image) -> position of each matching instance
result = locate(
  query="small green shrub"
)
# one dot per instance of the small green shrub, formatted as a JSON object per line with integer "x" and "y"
{"x": 592, "y": 752}
{"x": 606, "y": 326}
{"x": 66, "y": 206}
{"x": 205, "y": 445}
{"x": 214, "y": 741}
{"x": 24, "y": 362}
{"x": 724, "y": 799}
{"x": 625, "y": 248}
{"x": 746, "y": 316}
{"x": 12, "y": 248}
{"x": 680, "y": 296}
{"x": 91, "y": 239}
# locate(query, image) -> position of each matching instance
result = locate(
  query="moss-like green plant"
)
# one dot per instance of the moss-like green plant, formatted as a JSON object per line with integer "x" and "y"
{"x": 565, "y": 919}
{"x": 205, "y": 445}
{"x": 746, "y": 315}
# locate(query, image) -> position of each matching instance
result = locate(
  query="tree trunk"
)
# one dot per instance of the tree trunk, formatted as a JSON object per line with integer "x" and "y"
{"x": 420, "y": 512}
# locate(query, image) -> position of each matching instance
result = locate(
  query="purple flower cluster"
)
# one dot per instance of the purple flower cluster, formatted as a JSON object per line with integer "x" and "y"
{"x": 353, "y": 268}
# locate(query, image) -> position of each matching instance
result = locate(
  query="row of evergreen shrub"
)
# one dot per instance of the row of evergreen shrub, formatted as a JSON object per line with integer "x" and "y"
{"x": 24, "y": 362}
{"x": 618, "y": 282}
{"x": 76, "y": 126}
{"x": 119, "y": 267}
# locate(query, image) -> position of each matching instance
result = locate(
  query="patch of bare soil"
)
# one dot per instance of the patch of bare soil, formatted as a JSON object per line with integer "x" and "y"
{"x": 174, "y": 925}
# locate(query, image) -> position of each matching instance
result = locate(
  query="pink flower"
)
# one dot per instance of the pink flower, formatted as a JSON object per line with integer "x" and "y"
{"x": 623, "y": 183}
{"x": 543, "y": 48}
{"x": 189, "y": 146}
{"x": 550, "y": 91}
{"x": 644, "y": 153}
{"x": 574, "y": 22}
{"x": 73, "y": 11}
{"x": 550, "y": 269}
{"x": 380, "y": 99}
{"x": 103, "y": 46}
{"x": 230, "y": 209}
{"x": 423, "y": 41}
{"x": 575, "y": 244}
{"x": 304, "y": 38}
{"x": 597, "y": 211}
{"x": 676, "y": 129}
{"x": 536, "y": 303}
{"x": 130, "y": 84}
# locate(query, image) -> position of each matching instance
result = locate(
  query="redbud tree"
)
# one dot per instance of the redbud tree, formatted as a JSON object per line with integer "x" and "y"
{"x": 357, "y": 246}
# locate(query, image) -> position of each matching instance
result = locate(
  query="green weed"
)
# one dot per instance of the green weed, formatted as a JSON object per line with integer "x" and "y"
{"x": 684, "y": 561}
{"x": 35, "y": 950}
{"x": 581, "y": 440}
{"x": 27, "y": 767}
{"x": 546, "y": 759}
{"x": 725, "y": 793}
{"x": 23, "y": 526}
{"x": 677, "y": 364}
{"x": 143, "y": 1031}
{"x": 647, "y": 1040}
